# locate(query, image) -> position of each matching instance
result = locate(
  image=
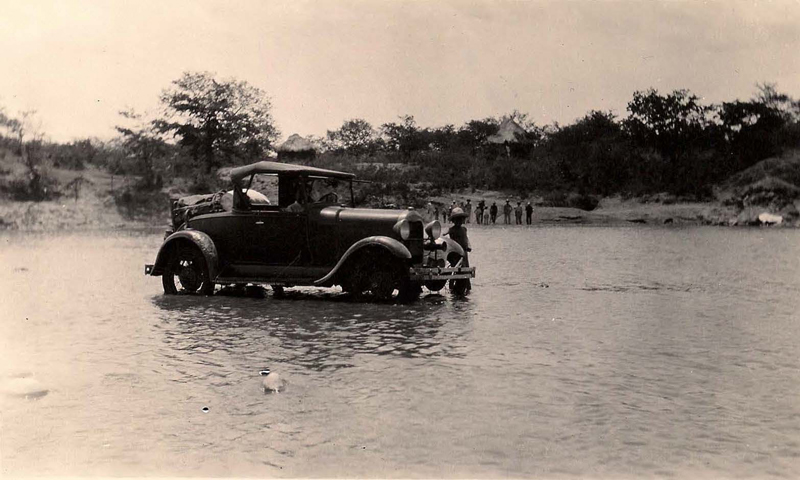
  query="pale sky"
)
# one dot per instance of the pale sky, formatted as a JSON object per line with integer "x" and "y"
{"x": 78, "y": 62}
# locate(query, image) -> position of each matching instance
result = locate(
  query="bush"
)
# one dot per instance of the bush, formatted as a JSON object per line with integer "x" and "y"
{"x": 72, "y": 156}
{"x": 35, "y": 185}
{"x": 206, "y": 183}
{"x": 582, "y": 201}
{"x": 134, "y": 203}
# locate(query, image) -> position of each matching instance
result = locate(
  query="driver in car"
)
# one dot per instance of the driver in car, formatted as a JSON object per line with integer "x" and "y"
{"x": 324, "y": 191}
{"x": 298, "y": 205}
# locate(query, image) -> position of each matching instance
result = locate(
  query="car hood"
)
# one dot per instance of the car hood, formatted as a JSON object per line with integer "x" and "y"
{"x": 332, "y": 215}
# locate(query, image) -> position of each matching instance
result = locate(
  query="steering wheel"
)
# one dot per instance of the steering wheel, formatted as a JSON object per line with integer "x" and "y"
{"x": 330, "y": 197}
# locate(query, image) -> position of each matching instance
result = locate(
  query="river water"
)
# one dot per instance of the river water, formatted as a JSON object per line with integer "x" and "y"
{"x": 601, "y": 352}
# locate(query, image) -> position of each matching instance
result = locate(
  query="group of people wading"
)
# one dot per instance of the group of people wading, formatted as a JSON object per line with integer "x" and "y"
{"x": 483, "y": 214}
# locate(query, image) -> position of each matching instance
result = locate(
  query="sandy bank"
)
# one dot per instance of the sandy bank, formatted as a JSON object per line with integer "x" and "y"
{"x": 92, "y": 213}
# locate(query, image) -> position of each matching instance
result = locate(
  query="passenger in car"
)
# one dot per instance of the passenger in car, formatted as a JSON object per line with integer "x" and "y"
{"x": 298, "y": 205}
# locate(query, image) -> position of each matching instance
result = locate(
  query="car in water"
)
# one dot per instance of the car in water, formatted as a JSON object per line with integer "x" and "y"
{"x": 287, "y": 225}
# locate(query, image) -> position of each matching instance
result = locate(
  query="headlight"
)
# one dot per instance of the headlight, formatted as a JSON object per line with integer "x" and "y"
{"x": 434, "y": 229}
{"x": 403, "y": 228}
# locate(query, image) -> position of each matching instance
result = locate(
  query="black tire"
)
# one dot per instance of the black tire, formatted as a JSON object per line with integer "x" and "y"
{"x": 376, "y": 271}
{"x": 382, "y": 283}
{"x": 188, "y": 266}
{"x": 409, "y": 291}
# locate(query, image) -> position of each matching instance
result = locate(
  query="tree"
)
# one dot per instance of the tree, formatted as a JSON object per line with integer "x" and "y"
{"x": 759, "y": 128}
{"x": 780, "y": 103}
{"x": 142, "y": 143}
{"x": 442, "y": 138}
{"x": 27, "y": 124}
{"x": 355, "y": 137}
{"x": 403, "y": 137}
{"x": 667, "y": 123}
{"x": 4, "y": 118}
{"x": 218, "y": 121}
{"x": 475, "y": 132}
{"x": 679, "y": 130}
{"x": 591, "y": 153}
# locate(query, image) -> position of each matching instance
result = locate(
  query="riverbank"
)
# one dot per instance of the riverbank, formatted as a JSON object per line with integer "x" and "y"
{"x": 87, "y": 205}
{"x": 619, "y": 211}
{"x": 94, "y": 203}
{"x": 92, "y": 212}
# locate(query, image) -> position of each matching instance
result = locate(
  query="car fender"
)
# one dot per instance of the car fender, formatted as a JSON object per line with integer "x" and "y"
{"x": 449, "y": 246}
{"x": 199, "y": 239}
{"x": 390, "y": 244}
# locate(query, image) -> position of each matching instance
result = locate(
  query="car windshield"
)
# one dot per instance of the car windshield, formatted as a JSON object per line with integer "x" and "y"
{"x": 328, "y": 190}
{"x": 317, "y": 189}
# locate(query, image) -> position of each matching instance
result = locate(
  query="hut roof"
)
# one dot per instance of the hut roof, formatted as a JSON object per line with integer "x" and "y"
{"x": 509, "y": 131}
{"x": 296, "y": 143}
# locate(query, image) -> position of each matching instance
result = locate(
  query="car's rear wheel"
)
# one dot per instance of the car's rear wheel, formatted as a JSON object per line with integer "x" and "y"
{"x": 187, "y": 273}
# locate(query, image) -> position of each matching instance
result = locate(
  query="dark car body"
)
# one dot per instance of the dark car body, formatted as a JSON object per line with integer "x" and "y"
{"x": 308, "y": 238}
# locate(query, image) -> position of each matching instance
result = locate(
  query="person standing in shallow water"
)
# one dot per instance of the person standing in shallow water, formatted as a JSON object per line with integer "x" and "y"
{"x": 458, "y": 233}
{"x": 528, "y": 213}
{"x": 518, "y": 213}
{"x": 507, "y": 208}
{"x": 493, "y": 212}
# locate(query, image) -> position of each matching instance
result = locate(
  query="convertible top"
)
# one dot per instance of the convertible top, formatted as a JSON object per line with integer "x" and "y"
{"x": 239, "y": 173}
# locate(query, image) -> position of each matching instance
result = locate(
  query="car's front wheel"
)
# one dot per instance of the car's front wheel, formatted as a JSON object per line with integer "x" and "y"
{"x": 409, "y": 290}
{"x": 379, "y": 273}
{"x": 187, "y": 273}
{"x": 453, "y": 260}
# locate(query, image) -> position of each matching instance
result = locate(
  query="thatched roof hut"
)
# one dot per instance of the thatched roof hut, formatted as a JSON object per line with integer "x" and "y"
{"x": 296, "y": 147}
{"x": 509, "y": 131}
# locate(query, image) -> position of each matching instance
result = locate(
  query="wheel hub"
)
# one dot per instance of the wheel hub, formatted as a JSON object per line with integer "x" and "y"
{"x": 189, "y": 278}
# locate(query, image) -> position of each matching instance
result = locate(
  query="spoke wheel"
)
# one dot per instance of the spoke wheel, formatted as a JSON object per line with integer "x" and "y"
{"x": 435, "y": 285}
{"x": 376, "y": 272}
{"x": 187, "y": 273}
{"x": 382, "y": 283}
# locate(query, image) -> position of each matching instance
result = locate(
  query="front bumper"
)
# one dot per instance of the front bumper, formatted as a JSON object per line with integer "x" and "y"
{"x": 424, "y": 274}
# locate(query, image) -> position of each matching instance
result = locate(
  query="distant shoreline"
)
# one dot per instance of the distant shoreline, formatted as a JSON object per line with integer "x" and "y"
{"x": 88, "y": 214}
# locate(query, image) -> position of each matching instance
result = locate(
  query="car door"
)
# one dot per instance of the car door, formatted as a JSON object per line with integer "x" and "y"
{"x": 276, "y": 237}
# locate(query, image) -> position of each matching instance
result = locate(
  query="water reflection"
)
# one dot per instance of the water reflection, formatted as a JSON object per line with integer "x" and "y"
{"x": 317, "y": 330}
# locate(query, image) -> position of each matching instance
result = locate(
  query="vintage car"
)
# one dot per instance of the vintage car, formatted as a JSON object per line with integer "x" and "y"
{"x": 289, "y": 225}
